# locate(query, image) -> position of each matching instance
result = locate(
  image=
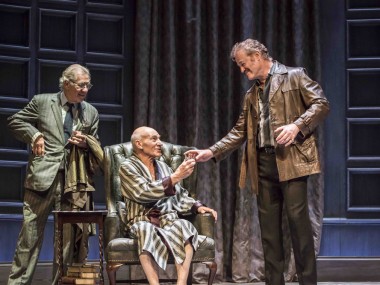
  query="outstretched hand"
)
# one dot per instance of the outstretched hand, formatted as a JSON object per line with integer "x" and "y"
{"x": 183, "y": 171}
{"x": 200, "y": 155}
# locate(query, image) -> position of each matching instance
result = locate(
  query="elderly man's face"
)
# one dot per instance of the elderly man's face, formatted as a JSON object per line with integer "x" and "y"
{"x": 151, "y": 144}
{"x": 73, "y": 92}
{"x": 250, "y": 65}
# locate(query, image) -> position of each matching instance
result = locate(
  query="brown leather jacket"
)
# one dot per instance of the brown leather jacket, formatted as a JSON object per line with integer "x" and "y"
{"x": 293, "y": 98}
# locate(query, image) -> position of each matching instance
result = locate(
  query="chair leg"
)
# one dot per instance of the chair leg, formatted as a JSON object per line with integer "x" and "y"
{"x": 111, "y": 272}
{"x": 213, "y": 267}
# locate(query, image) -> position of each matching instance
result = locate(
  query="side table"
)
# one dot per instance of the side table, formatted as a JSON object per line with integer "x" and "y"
{"x": 73, "y": 217}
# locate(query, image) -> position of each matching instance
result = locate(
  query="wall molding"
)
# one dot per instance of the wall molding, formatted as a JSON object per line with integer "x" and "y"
{"x": 348, "y": 269}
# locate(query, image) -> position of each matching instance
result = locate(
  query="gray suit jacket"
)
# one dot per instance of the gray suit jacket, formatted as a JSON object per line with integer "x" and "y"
{"x": 44, "y": 114}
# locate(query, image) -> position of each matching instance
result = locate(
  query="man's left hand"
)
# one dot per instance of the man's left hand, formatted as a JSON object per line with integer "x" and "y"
{"x": 286, "y": 134}
{"x": 204, "y": 209}
{"x": 78, "y": 139}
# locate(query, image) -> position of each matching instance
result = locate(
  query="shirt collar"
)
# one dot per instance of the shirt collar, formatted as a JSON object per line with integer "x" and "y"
{"x": 64, "y": 100}
{"x": 271, "y": 71}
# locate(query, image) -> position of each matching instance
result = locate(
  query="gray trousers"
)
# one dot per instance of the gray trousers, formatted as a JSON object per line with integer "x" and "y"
{"x": 36, "y": 209}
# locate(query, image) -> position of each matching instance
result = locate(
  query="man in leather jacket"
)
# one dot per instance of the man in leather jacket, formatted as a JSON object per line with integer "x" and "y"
{"x": 280, "y": 113}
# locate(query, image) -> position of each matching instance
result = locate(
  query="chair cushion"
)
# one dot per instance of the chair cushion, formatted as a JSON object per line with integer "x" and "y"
{"x": 122, "y": 250}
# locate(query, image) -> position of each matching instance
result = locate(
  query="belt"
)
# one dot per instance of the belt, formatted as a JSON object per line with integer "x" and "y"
{"x": 267, "y": 149}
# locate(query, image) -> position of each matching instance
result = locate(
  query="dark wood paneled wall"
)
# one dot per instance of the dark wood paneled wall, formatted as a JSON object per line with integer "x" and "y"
{"x": 350, "y": 33}
{"x": 38, "y": 39}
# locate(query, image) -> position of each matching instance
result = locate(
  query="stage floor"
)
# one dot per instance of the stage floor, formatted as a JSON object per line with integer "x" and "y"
{"x": 43, "y": 274}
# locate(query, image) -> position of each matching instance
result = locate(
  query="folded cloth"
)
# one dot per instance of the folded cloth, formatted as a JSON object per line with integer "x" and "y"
{"x": 82, "y": 165}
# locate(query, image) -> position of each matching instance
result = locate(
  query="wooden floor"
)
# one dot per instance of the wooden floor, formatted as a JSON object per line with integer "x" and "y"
{"x": 43, "y": 274}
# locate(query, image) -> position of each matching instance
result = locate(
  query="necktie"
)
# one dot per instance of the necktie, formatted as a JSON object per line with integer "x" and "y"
{"x": 68, "y": 123}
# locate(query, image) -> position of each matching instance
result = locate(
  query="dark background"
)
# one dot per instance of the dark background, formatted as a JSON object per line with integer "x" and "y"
{"x": 166, "y": 64}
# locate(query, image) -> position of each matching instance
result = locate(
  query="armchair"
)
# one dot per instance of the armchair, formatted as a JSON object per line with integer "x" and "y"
{"x": 120, "y": 250}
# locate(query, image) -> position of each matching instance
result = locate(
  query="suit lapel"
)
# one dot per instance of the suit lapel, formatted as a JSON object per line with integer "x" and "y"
{"x": 56, "y": 109}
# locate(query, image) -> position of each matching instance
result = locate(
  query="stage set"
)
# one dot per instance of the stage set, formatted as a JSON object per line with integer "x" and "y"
{"x": 166, "y": 64}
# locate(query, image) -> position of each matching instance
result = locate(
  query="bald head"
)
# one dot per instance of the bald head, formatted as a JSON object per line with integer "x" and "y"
{"x": 140, "y": 133}
{"x": 146, "y": 141}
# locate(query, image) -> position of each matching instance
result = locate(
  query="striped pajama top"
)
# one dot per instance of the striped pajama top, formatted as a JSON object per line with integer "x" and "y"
{"x": 142, "y": 194}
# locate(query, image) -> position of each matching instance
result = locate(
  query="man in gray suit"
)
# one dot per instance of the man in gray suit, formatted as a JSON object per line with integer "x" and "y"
{"x": 56, "y": 126}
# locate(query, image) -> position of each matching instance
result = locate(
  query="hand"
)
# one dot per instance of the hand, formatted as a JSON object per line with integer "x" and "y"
{"x": 204, "y": 209}
{"x": 201, "y": 155}
{"x": 39, "y": 146}
{"x": 286, "y": 134}
{"x": 183, "y": 171}
{"x": 78, "y": 139}
{"x": 190, "y": 156}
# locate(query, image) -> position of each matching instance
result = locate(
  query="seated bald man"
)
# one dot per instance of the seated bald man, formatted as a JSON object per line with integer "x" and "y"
{"x": 153, "y": 197}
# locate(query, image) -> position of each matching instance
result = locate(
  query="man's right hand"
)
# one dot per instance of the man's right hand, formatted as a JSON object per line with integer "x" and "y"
{"x": 200, "y": 155}
{"x": 39, "y": 146}
{"x": 183, "y": 171}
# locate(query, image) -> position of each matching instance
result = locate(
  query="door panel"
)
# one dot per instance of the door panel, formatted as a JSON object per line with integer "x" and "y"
{"x": 38, "y": 39}
{"x": 350, "y": 73}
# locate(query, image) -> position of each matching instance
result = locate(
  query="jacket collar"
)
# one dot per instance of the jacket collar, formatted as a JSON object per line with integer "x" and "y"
{"x": 279, "y": 68}
{"x": 276, "y": 69}
{"x": 278, "y": 77}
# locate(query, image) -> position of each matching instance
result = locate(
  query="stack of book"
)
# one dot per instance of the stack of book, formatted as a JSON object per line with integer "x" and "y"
{"x": 81, "y": 274}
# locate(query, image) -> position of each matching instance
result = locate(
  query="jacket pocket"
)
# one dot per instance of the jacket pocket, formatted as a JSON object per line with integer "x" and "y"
{"x": 306, "y": 151}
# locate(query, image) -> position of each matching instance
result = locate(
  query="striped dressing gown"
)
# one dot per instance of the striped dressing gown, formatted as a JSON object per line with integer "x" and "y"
{"x": 142, "y": 194}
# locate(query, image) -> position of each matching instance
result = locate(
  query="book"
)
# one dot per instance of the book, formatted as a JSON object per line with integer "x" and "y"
{"x": 83, "y": 274}
{"x": 78, "y": 273}
{"x": 84, "y": 268}
{"x": 78, "y": 281}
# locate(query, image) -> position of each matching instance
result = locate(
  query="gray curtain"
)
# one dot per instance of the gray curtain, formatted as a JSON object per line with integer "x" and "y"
{"x": 188, "y": 89}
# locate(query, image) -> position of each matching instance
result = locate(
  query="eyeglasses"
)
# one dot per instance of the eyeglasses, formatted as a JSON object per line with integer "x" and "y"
{"x": 82, "y": 85}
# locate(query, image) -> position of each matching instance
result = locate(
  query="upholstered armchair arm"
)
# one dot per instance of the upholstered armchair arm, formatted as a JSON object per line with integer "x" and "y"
{"x": 111, "y": 228}
{"x": 204, "y": 223}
